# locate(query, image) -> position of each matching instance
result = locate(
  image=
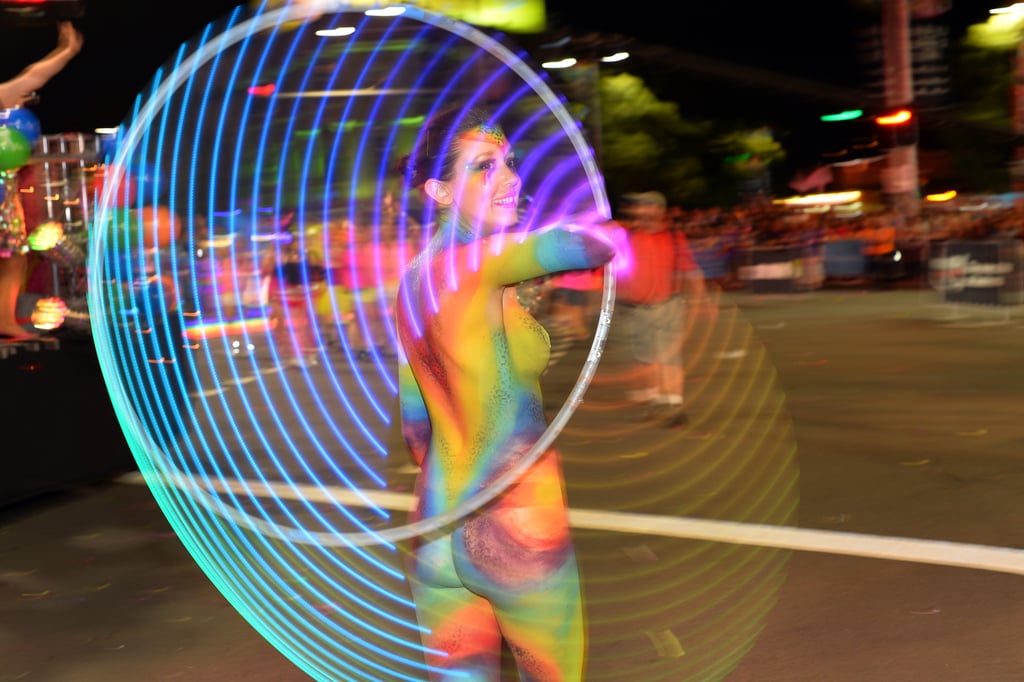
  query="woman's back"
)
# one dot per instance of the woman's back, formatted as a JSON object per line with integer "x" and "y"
{"x": 477, "y": 355}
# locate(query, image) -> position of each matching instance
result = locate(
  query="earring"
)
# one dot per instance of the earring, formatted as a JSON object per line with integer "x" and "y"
{"x": 437, "y": 189}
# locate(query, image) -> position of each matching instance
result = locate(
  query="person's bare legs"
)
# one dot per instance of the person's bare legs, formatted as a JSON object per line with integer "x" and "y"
{"x": 12, "y": 273}
{"x": 671, "y": 371}
{"x": 671, "y": 384}
{"x": 644, "y": 382}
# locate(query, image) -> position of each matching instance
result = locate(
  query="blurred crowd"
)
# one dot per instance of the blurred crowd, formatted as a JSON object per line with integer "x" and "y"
{"x": 733, "y": 234}
{"x": 773, "y": 224}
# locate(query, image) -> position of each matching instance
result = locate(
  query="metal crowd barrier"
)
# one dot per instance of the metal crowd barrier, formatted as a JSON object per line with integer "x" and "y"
{"x": 986, "y": 273}
{"x": 782, "y": 269}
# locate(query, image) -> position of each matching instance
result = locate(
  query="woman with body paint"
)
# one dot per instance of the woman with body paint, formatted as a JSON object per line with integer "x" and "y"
{"x": 469, "y": 389}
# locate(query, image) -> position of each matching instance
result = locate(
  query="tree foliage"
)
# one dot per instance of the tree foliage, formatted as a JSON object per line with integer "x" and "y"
{"x": 746, "y": 152}
{"x": 982, "y": 71}
{"x": 647, "y": 145}
{"x": 982, "y": 77}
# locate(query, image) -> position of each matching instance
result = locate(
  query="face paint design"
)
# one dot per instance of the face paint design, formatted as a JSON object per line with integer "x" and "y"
{"x": 486, "y": 133}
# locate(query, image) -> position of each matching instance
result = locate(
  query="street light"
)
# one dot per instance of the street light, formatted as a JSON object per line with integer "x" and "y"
{"x": 900, "y": 178}
{"x": 617, "y": 57}
{"x": 579, "y": 75}
{"x": 1015, "y": 8}
{"x": 557, "y": 64}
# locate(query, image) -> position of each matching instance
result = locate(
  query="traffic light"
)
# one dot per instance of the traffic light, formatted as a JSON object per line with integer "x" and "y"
{"x": 845, "y": 115}
{"x": 897, "y": 128}
{"x": 846, "y": 135}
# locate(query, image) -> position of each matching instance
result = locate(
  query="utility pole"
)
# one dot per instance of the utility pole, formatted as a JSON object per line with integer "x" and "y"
{"x": 900, "y": 183}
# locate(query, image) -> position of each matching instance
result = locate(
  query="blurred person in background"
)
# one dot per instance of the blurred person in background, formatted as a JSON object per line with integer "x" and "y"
{"x": 295, "y": 275}
{"x": 17, "y": 92}
{"x": 879, "y": 235}
{"x": 657, "y": 299}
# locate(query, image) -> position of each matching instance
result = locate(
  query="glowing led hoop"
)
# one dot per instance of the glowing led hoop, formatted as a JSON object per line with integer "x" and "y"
{"x": 305, "y": 563}
{"x": 138, "y": 136}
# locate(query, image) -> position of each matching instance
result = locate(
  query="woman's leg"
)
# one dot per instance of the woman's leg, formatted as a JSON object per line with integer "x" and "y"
{"x": 461, "y": 639}
{"x": 545, "y": 629}
{"x": 12, "y": 274}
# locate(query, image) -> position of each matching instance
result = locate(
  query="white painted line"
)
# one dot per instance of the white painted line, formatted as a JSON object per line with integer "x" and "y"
{"x": 962, "y": 555}
{"x": 939, "y": 552}
{"x": 246, "y": 379}
{"x": 295, "y": 491}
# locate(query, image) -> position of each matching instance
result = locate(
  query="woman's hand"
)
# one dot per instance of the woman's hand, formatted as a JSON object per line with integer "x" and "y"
{"x": 68, "y": 37}
{"x": 616, "y": 235}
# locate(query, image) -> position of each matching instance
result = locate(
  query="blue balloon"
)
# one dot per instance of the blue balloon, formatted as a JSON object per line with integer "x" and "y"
{"x": 108, "y": 147}
{"x": 22, "y": 120}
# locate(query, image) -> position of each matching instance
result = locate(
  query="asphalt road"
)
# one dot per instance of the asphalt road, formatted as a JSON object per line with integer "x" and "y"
{"x": 844, "y": 506}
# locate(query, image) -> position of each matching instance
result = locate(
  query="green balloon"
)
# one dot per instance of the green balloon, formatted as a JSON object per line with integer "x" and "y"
{"x": 15, "y": 148}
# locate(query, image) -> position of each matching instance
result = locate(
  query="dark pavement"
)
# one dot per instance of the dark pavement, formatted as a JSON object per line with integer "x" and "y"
{"x": 849, "y": 453}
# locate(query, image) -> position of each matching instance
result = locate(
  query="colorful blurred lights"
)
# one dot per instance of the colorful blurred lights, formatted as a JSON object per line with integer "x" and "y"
{"x": 49, "y": 313}
{"x": 46, "y": 236}
{"x": 339, "y": 32}
{"x": 560, "y": 63}
{"x": 385, "y": 12}
{"x": 617, "y": 57}
{"x": 895, "y": 118}
{"x": 848, "y": 115}
{"x": 262, "y": 90}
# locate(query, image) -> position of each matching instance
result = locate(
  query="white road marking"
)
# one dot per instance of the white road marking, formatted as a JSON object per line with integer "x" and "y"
{"x": 241, "y": 381}
{"x": 962, "y": 555}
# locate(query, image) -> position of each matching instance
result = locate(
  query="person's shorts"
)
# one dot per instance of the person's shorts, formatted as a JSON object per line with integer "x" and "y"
{"x": 655, "y": 332}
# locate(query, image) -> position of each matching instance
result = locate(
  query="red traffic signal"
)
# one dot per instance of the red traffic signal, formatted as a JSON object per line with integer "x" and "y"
{"x": 897, "y": 128}
{"x": 895, "y": 118}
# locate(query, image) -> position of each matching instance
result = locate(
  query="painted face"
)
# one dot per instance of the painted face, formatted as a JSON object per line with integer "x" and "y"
{"x": 485, "y": 186}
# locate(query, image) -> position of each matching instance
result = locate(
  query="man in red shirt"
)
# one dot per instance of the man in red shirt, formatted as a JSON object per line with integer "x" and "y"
{"x": 652, "y": 299}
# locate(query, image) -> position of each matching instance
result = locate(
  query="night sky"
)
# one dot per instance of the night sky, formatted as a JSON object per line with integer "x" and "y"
{"x": 124, "y": 46}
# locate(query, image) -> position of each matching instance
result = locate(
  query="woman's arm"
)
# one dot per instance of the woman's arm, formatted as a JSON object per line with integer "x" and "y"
{"x": 416, "y": 428}
{"x": 16, "y": 91}
{"x": 513, "y": 258}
